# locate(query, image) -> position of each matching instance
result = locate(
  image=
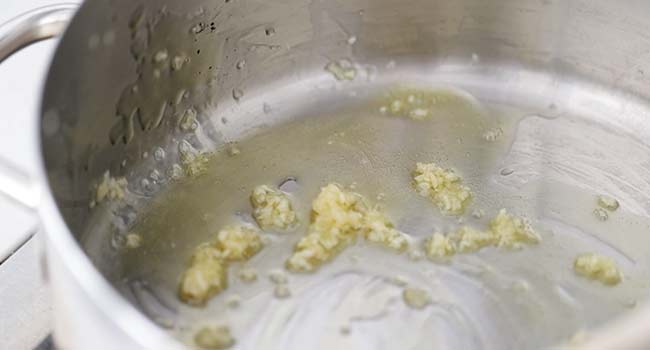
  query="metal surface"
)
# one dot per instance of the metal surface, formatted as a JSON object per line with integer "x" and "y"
{"x": 36, "y": 25}
{"x": 110, "y": 102}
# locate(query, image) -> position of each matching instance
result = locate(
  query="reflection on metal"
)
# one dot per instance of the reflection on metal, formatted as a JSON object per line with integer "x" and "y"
{"x": 36, "y": 25}
{"x": 588, "y": 59}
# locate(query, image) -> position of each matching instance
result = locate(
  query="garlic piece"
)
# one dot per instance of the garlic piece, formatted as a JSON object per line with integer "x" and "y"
{"x": 598, "y": 267}
{"x": 442, "y": 186}
{"x": 272, "y": 208}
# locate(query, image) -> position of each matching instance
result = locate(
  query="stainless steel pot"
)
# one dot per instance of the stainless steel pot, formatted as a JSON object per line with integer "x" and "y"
{"x": 109, "y": 103}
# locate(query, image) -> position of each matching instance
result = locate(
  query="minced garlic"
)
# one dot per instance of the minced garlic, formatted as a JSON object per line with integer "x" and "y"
{"x": 338, "y": 217}
{"x": 380, "y": 230}
{"x": 110, "y": 188}
{"x": 342, "y": 70}
{"x": 216, "y": 338}
{"x": 206, "y": 275}
{"x": 238, "y": 243}
{"x": 417, "y": 104}
{"x": 416, "y": 298}
{"x": 607, "y": 202}
{"x": 598, "y": 267}
{"x": 194, "y": 162}
{"x": 469, "y": 240}
{"x": 133, "y": 240}
{"x": 272, "y": 208}
{"x": 443, "y": 186}
{"x": 512, "y": 232}
{"x": 188, "y": 121}
{"x": 506, "y": 231}
{"x": 439, "y": 246}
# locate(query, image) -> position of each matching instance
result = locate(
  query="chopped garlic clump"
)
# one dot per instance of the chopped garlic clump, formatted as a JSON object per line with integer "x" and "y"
{"x": 379, "y": 229}
{"x": 238, "y": 243}
{"x": 338, "y": 216}
{"x": 506, "y": 231}
{"x": 194, "y": 162}
{"x": 110, "y": 188}
{"x": 607, "y": 202}
{"x": 272, "y": 208}
{"x": 133, "y": 240}
{"x": 416, "y": 298}
{"x": 598, "y": 267}
{"x": 443, "y": 186}
{"x": 216, "y": 338}
{"x": 512, "y": 232}
{"x": 206, "y": 275}
{"x": 439, "y": 246}
{"x": 342, "y": 70}
{"x": 469, "y": 240}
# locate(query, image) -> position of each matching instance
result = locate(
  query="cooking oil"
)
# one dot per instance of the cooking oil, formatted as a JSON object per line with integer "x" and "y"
{"x": 490, "y": 299}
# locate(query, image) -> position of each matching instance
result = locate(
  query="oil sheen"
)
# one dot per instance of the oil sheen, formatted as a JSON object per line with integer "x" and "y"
{"x": 491, "y": 299}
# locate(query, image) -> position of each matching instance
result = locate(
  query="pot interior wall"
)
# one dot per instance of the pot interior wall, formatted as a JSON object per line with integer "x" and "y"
{"x": 135, "y": 82}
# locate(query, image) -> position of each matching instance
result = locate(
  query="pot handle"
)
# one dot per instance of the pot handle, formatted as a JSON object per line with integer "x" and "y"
{"x": 21, "y": 31}
{"x": 35, "y": 25}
